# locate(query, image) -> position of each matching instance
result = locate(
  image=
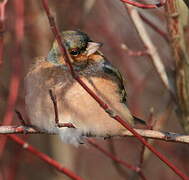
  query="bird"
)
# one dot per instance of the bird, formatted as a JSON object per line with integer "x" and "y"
{"x": 74, "y": 104}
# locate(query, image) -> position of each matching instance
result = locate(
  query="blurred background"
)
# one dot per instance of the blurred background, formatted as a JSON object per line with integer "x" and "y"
{"x": 107, "y": 22}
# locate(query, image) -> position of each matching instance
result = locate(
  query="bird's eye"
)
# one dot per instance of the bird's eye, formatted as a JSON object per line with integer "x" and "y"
{"x": 74, "y": 52}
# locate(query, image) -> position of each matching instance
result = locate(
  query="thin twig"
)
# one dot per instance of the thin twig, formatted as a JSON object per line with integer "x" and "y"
{"x": 143, "y": 6}
{"x": 44, "y": 157}
{"x": 2, "y": 28}
{"x": 154, "y": 27}
{"x": 54, "y": 100}
{"x": 150, "y": 126}
{"x": 134, "y": 53}
{"x": 152, "y": 51}
{"x": 152, "y": 134}
{"x": 16, "y": 65}
{"x": 116, "y": 159}
{"x": 180, "y": 54}
{"x": 129, "y": 166}
{"x": 118, "y": 167}
{"x": 19, "y": 115}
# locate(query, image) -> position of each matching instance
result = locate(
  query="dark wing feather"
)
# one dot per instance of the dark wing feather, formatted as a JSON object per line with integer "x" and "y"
{"x": 110, "y": 69}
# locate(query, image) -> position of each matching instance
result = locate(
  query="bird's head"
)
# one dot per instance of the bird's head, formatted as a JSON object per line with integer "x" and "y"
{"x": 79, "y": 46}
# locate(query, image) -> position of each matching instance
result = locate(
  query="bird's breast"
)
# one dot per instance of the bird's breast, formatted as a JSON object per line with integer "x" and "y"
{"x": 75, "y": 105}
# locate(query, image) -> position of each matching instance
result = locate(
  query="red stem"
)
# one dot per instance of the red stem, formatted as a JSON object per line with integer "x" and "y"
{"x": 144, "y": 6}
{"x": 99, "y": 100}
{"x": 111, "y": 156}
{"x": 125, "y": 164}
{"x": 44, "y": 157}
{"x": 2, "y": 28}
{"x": 155, "y": 27}
{"x": 14, "y": 164}
{"x": 16, "y": 65}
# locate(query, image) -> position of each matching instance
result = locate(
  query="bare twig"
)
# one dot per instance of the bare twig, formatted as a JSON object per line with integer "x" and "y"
{"x": 152, "y": 51}
{"x": 144, "y": 6}
{"x": 152, "y": 134}
{"x": 154, "y": 27}
{"x": 180, "y": 53}
{"x": 118, "y": 167}
{"x": 19, "y": 115}
{"x": 114, "y": 158}
{"x": 186, "y": 2}
{"x": 150, "y": 126}
{"x": 2, "y": 28}
{"x": 166, "y": 136}
{"x": 16, "y": 65}
{"x": 44, "y": 157}
{"x": 19, "y": 130}
{"x": 53, "y": 98}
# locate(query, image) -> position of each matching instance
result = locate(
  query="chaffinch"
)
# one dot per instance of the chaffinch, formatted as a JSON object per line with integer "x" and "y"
{"x": 75, "y": 105}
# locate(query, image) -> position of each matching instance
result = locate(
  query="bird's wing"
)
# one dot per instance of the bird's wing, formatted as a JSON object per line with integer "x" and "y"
{"x": 111, "y": 70}
{"x": 108, "y": 68}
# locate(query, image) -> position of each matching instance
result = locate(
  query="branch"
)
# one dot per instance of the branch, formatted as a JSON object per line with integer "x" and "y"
{"x": 179, "y": 48}
{"x": 16, "y": 66}
{"x": 154, "y": 27}
{"x": 134, "y": 53}
{"x": 119, "y": 161}
{"x": 53, "y": 98}
{"x": 2, "y": 28}
{"x": 152, "y": 51}
{"x": 44, "y": 157}
{"x": 143, "y": 6}
{"x": 152, "y": 134}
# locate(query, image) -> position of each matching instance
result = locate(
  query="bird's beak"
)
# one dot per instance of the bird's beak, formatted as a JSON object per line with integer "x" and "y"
{"x": 92, "y": 47}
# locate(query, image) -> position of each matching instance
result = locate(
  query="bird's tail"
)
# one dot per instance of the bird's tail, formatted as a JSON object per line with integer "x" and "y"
{"x": 138, "y": 120}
